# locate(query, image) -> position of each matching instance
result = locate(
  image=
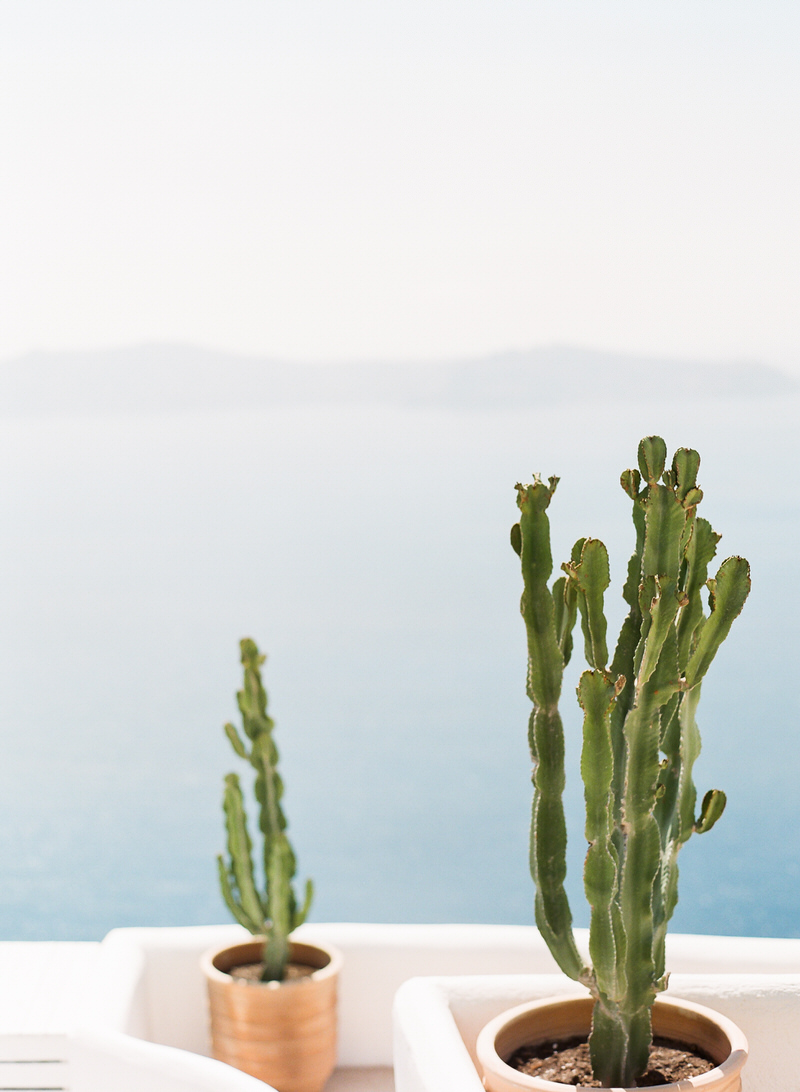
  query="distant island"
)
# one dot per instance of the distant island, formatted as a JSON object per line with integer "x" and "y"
{"x": 178, "y": 379}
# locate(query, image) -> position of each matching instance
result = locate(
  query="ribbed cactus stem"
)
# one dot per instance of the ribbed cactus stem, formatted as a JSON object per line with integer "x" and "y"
{"x": 274, "y": 913}
{"x": 545, "y": 731}
{"x": 640, "y": 737}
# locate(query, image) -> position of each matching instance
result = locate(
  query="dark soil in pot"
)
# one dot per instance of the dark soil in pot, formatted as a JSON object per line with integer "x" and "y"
{"x": 568, "y": 1062}
{"x": 252, "y": 971}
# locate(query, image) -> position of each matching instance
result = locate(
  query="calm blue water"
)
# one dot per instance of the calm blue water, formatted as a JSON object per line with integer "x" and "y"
{"x": 366, "y": 549}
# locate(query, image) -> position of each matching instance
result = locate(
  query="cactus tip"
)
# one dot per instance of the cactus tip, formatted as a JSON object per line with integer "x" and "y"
{"x": 251, "y": 657}
{"x": 652, "y": 458}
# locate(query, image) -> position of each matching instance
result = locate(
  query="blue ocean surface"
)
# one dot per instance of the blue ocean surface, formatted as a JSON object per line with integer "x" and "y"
{"x": 365, "y": 547}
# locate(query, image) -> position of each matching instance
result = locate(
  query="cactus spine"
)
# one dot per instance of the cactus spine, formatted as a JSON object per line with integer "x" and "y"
{"x": 640, "y": 737}
{"x": 274, "y": 913}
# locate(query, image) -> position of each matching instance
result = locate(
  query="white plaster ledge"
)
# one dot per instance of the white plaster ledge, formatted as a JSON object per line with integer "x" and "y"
{"x": 150, "y": 984}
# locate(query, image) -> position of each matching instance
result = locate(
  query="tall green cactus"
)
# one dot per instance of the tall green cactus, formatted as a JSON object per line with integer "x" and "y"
{"x": 273, "y": 913}
{"x": 640, "y": 738}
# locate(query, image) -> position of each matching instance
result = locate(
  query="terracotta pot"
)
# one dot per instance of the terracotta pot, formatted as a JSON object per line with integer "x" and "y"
{"x": 567, "y": 1017}
{"x": 284, "y": 1033}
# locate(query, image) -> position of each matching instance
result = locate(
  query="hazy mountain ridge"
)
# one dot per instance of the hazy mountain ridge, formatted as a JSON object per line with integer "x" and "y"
{"x": 176, "y": 378}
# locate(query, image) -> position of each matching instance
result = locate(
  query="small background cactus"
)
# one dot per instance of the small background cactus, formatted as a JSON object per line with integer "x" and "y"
{"x": 273, "y": 912}
{"x": 640, "y": 737}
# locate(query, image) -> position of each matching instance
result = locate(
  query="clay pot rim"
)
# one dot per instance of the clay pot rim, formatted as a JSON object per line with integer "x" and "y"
{"x": 330, "y": 970}
{"x": 736, "y": 1059}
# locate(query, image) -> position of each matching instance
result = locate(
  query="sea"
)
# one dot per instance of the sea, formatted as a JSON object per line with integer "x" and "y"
{"x": 364, "y": 544}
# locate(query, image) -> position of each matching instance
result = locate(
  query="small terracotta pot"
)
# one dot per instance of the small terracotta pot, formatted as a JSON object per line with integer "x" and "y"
{"x": 568, "y": 1017}
{"x": 284, "y": 1033}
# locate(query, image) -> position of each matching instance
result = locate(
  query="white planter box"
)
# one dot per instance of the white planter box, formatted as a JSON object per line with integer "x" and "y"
{"x": 437, "y": 1021}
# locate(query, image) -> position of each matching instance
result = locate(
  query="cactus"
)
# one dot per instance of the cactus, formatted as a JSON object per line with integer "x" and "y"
{"x": 640, "y": 738}
{"x": 274, "y": 913}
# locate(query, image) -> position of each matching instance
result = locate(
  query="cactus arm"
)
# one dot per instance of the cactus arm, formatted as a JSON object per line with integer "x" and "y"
{"x": 683, "y": 762}
{"x": 549, "y": 845}
{"x": 591, "y": 577}
{"x": 622, "y": 665}
{"x": 680, "y": 738}
{"x": 681, "y": 741}
{"x": 652, "y": 458}
{"x": 230, "y": 900}
{"x": 665, "y": 518}
{"x": 729, "y": 590}
{"x": 516, "y": 538}
{"x": 659, "y": 613}
{"x": 236, "y": 741}
{"x": 674, "y": 813}
{"x": 545, "y": 662}
{"x": 685, "y": 464}
{"x": 711, "y": 809}
{"x": 565, "y": 606}
{"x": 545, "y": 731}
{"x": 677, "y": 807}
{"x": 659, "y": 595}
{"x": 301, "y": 914}
{"x": 700, "y": 551}
{"x": 240, "y": 852}
{"x": 672, "y": 783}
{"x": 596, "y": 694}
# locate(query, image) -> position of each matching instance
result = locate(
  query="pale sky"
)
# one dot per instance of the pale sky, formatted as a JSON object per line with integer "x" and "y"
{"x": 419, "y": 179}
